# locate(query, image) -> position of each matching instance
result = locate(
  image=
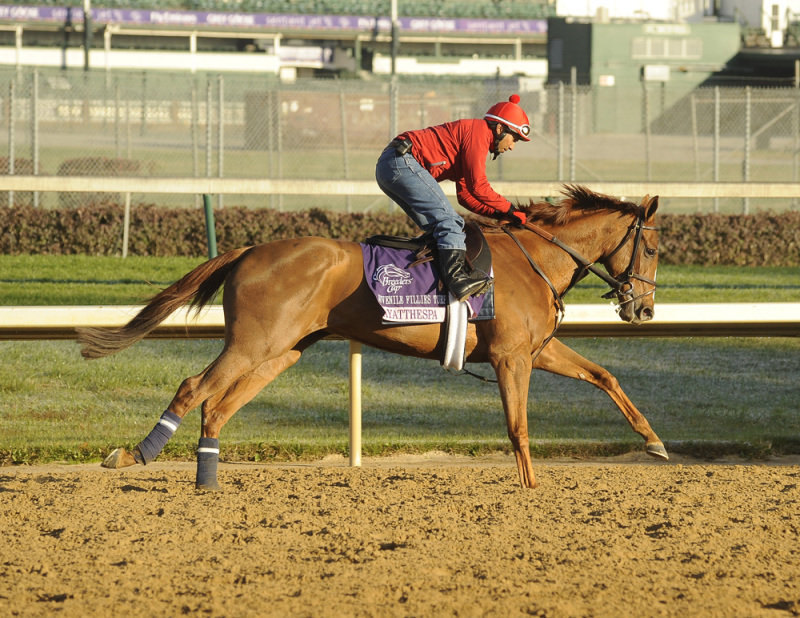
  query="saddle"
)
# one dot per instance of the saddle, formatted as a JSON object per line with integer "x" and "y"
{"x": 479, "y": 256}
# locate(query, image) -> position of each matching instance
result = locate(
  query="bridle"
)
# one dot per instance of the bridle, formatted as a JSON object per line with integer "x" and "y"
{"x": 622, "y": 285}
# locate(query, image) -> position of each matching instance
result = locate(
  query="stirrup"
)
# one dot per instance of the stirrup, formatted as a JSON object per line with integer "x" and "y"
{"x": 472, "y": 288}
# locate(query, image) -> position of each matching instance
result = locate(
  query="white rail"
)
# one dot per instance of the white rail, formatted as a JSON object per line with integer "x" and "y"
{"x": 631, "y": 190}
{"x": 671, "y": 320}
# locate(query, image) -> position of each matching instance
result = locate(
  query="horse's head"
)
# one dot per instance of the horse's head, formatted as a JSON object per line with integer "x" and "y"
{"x": 633, "y": 264}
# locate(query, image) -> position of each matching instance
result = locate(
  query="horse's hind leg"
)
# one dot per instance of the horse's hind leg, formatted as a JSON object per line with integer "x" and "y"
{"x": 220, "y": 407}
{"x": 218, "y": 376}
{"x": 559, "y": 359}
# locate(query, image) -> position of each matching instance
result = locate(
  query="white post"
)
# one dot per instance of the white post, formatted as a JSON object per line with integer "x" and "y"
{"x": 18, "y": 46}
{"x": 355, "y": 403}
{"x": 193, "y": 51}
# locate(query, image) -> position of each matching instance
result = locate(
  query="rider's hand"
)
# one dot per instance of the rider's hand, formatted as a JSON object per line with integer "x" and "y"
{"x": 517, "y": 217}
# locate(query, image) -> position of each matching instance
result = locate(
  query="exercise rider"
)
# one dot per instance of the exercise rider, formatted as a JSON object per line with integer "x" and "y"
{"x": 412, "y": 165}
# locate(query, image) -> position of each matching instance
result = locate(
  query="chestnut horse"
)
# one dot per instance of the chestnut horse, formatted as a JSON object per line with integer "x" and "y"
{"x": 283, "y": 296}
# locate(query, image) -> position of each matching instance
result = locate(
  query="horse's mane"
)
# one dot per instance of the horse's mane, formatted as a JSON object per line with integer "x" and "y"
{"x": 576, "y": 198}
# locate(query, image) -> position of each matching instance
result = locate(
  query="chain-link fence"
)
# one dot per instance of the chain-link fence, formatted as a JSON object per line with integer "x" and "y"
{"x": 156, "y": 124}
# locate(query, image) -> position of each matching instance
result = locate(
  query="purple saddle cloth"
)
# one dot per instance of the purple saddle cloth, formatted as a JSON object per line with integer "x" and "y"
{"x": 410, "y": 294}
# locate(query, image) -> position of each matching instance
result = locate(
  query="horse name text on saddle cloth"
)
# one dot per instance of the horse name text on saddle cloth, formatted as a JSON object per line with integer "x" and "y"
{"x": 410, "y": 294}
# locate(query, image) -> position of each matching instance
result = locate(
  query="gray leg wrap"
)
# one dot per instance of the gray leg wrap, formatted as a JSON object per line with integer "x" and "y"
{"x": 207, "y": 458}
{"x": 158, "y": 437}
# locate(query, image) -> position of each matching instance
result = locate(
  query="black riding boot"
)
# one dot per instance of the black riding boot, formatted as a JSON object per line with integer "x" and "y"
{"x": 458, "y": 277}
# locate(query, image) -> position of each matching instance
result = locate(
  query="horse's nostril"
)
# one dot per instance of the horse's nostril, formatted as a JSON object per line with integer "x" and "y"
{"x": 646, "y": 313}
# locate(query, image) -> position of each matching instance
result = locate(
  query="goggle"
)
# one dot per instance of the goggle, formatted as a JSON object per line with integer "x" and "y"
{"x": 523, "y": 130}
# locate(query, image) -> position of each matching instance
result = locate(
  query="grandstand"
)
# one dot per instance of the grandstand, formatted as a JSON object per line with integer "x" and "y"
{"x": 284, "y": 37}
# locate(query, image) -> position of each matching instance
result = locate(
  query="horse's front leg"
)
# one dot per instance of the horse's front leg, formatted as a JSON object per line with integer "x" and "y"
{"x": 559, "y": 359}
{"x": 513, "y": 379}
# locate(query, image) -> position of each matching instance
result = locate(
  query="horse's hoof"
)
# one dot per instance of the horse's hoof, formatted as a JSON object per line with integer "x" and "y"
{"x": 119, "y": 458}
{"x": 657, "y": 450}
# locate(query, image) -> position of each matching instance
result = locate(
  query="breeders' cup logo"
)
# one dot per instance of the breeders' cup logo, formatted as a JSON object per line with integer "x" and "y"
{"x": 392, "y": 277}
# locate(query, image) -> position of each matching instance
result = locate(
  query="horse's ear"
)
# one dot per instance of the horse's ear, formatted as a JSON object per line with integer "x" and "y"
{"x": 650, "y": 206}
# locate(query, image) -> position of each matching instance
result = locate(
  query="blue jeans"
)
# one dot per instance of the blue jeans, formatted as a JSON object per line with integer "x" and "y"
{"x": 409, "y": 184}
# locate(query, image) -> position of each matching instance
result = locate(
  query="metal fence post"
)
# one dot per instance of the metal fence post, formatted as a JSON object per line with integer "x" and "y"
{"x": 35, "y": 130}
{"x": 646, "y": 127}
{"x": 143, "y": 124}
{"x": 345, "y": 162}
{"x": 796, "y": 127}
{"x": 194, "y": 131}
{"x": 209, "y": 146}
{"x": 560, "y": 133}
{"x": 117, "y": 139}
{"x": 12, "y": 104}
{"x": 393, "y": 106}
{"x": 220, "y": 134}
{"x": 574, "y": 120}
{"x": 695, "y": 142}
{"x": 279, "y": 142}
{"x": 716, "y": 142}
{"x": 128, "y": 138}
{"x": 746, "y": 161}
{"x": 271, "y": 140}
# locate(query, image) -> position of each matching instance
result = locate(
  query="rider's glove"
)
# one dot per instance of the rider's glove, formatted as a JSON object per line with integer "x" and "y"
{"x": 517, "y": 217}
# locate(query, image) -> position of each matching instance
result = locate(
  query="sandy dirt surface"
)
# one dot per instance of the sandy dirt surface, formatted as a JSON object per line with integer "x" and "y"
{"x": 424, "y": 536}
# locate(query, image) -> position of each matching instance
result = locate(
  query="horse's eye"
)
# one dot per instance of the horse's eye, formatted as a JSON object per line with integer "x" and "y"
{"x": 649, "y": 252}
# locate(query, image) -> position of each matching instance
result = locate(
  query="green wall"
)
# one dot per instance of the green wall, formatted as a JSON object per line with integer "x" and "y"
{"x": 611, "y": 58}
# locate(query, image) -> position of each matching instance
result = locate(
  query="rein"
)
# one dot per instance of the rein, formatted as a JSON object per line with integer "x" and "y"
{"x": 622, "y": 286}
{"x": 585, "y": 264}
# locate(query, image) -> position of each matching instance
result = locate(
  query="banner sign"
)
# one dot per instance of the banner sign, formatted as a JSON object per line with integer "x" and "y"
{"x": 270, "y": 21}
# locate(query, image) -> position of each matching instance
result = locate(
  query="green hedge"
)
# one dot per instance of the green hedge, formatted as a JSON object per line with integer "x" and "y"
{"x": 765, "y": 239}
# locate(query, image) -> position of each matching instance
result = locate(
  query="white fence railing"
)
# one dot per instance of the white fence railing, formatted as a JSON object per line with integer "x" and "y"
{"x": 272, "y": 186}
{"x": 671, "y": 320}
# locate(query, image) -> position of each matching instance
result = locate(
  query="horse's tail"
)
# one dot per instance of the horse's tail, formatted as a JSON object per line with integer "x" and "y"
{"x": 198, "y": 286}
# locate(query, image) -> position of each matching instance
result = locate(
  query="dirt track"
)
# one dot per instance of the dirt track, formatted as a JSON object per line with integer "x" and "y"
{"x": 406, "y": 537}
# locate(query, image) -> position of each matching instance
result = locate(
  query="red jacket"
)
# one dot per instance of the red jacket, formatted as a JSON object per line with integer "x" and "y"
{"x": 457, "y": 151}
